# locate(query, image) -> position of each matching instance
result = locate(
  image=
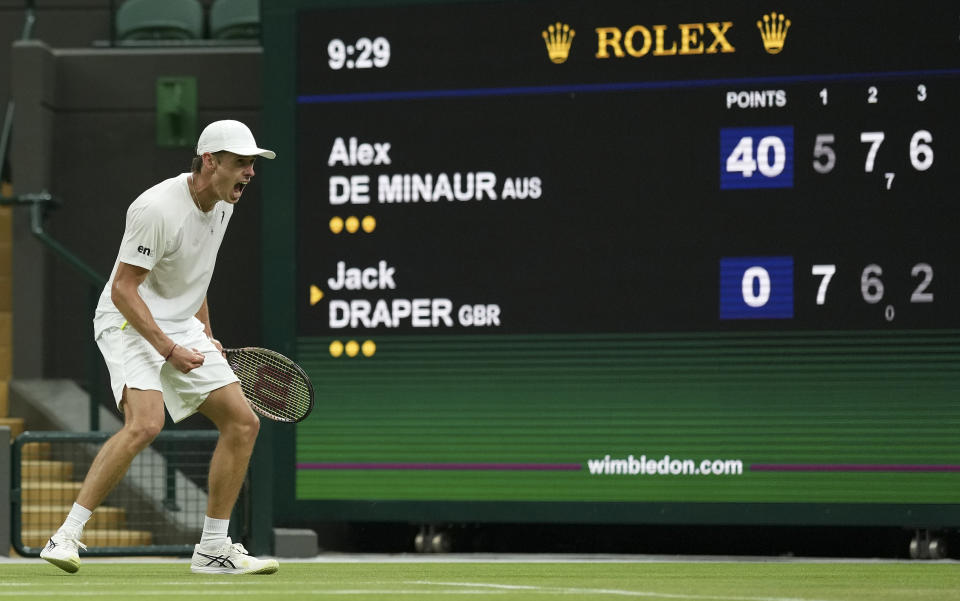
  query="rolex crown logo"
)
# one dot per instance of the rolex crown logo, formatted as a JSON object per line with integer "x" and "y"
{"x": 558, "y": 39}
{"x": 773, "y": 30}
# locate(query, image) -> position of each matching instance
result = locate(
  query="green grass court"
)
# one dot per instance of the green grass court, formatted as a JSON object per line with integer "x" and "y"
{"x": 498, "y": 581}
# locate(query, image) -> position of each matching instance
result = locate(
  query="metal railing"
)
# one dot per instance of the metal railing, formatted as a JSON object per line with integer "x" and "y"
{"x": 157, "y": 509}
{"x": 39, "y": 205}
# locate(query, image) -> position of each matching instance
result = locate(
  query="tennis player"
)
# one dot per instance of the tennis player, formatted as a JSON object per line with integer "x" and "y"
{"x": 152, "y": 325}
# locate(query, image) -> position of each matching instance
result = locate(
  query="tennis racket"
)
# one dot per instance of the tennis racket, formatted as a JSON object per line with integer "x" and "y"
{"x": 276, "y": 387}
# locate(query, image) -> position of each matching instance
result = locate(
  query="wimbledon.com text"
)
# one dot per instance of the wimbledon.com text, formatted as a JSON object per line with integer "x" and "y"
{"x": 663, "y": 466}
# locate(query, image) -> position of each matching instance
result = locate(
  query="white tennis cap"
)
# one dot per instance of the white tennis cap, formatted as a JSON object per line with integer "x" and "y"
{"x": 232, "y": 136}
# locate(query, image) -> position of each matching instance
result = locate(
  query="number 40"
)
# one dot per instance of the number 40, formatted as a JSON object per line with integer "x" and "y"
{"x": 741, "y": 158}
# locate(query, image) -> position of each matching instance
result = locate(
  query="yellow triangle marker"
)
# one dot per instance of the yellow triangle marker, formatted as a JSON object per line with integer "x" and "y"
{"x": 315, "y": 295}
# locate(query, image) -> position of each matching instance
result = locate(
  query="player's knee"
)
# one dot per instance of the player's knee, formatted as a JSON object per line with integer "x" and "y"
{"x": 245, "y": 426}
{"x": 253, "y": 425}
{"x": 142, "y": 433}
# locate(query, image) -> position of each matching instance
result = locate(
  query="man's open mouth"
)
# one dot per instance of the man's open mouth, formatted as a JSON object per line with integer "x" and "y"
{"x": 238, "y": 188}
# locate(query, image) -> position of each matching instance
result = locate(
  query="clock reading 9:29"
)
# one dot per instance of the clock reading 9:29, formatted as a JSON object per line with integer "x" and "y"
{"x": 364, "y": 53}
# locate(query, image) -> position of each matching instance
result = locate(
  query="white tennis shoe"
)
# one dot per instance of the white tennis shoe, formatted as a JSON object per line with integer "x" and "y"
{"x": 230, "y": 558}
{"x": 63, "y": 550}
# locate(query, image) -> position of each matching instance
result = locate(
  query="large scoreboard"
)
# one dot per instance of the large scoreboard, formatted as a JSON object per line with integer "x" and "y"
{"x": 625, "y": 261}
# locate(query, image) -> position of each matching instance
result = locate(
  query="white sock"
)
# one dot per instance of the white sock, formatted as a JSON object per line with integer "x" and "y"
{"x": 77, "y": 518}
{"x": 214, "y": 532}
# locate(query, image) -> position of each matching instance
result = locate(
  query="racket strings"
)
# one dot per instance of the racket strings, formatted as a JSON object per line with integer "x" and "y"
{"x": 275, "y": 387}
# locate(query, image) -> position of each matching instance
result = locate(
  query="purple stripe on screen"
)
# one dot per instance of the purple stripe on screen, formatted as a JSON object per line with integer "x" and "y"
{"x": 520, "y": 467}
{"x": 852, "y": 467}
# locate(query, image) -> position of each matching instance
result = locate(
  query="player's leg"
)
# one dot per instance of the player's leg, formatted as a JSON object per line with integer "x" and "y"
{"x": 143, "y": 420}
{"x": 238, "y": 426}
{"x": 230, "y": 412}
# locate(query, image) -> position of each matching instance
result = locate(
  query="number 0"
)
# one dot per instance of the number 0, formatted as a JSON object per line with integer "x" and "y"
{"x": 779, "y": 156}
{"x": 762, "y": 278}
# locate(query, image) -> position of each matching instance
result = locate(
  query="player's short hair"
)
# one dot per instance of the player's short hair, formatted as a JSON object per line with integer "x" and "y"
{"x": 197, "y": 162}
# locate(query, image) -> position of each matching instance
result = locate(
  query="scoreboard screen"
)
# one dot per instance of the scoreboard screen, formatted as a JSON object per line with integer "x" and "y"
{"x": 621, "y": 261}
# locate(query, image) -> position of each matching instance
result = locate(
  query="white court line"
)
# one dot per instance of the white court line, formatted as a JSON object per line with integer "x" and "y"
{"x": 76, "y": 581}
{"x": 455, "y": 558}
{"x": 402, "y": 558}
{"x": 602, "y": 591}
{"x": 233, "y": 593}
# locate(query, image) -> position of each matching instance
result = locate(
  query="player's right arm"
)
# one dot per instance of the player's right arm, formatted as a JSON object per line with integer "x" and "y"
{"x": 126, "y": 298}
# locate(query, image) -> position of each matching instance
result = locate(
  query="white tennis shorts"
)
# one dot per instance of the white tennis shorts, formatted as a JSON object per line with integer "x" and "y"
{"x": 134, "y": 363}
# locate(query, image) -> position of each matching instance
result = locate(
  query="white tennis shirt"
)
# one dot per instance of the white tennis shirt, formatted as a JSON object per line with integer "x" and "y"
{"x": 167, "y": 234}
